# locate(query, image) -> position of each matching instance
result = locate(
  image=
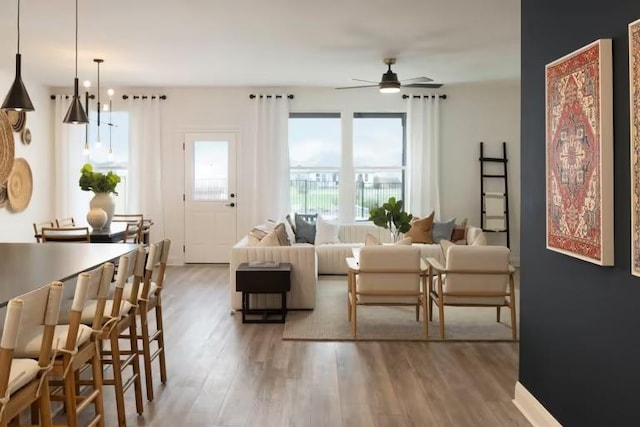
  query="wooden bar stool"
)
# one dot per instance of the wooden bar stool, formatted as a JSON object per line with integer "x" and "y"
{"x": 77, "y": 348}
{"x": 150, "y": 299}
{"x": 123, "y": 312}
{"x": 23, "y": 381}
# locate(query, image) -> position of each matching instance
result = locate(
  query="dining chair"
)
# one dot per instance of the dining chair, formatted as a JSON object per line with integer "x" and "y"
{"x": 37, "y": 229}
{"x": 23, "y": 381}
{"x": 68, "y": 234}
{"x": 75, "y": 344}
{"x": 473, "y": 276}
{"x": 389, "y": 275}
{"x": 65, "y": 222}
{"x": 150, "y": 299}
{"x": 134, "y": 229}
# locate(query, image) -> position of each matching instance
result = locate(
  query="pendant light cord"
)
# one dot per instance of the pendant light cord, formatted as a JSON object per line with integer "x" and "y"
{"x": 76, "y": 39}
{"x": 18, "y": 26}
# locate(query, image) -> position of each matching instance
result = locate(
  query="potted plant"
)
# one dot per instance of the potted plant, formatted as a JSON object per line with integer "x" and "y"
{"x": 391, "y": 215}
{"x": 102, "y": 185}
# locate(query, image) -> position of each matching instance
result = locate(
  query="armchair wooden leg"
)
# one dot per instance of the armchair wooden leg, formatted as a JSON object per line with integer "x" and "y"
{"x": 417, "y": 312}
{"x": 498, "y": 314}
{"x": 354, "y": 319}
{"x": 425, "y": 321}
{"x": 430, "y": 309}
{"x": 441, "y": 318}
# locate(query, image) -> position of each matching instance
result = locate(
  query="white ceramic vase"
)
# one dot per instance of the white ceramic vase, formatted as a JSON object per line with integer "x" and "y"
{"x": 97, "y": 218}
{"x": 105, "y": 202}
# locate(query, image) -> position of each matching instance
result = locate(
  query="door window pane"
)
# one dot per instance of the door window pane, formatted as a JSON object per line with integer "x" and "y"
{"x": 210, "y": 171}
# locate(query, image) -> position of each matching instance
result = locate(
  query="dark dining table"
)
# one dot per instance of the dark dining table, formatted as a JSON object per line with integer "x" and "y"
{"x": 28, "y": 266}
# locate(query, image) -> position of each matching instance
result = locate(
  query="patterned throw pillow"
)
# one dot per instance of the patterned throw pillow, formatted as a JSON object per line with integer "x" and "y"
{"x": 420, "y": 231}
{"x": 305, "y": 232}
{"x": 270, "y": 239}
{"x": 281, "y": 232}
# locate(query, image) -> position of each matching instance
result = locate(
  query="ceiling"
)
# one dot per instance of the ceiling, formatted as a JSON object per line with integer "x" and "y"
{"x": 166, "y": 43}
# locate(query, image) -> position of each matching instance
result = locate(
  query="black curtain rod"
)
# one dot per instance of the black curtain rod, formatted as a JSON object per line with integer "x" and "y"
{"x": 53, "y": 97}
{"x": 253, "y": 96}
{"x": 424, "y": 96}
{"x": 145, "y": 97}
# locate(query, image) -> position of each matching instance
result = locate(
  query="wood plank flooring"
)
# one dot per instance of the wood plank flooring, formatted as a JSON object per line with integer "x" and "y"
{"x": 224, "y": 373}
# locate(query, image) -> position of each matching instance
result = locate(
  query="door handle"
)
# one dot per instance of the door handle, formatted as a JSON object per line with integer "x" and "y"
{"x": 230, "y": 204}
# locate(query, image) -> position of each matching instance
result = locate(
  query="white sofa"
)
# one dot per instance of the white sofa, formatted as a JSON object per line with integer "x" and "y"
{"x": 308, "y": 261}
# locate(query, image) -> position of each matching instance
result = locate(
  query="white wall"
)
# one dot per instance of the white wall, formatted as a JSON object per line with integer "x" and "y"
{"x": 488, "y": 112}
{"x": 471, "y": 113}
{"x": 17, "y": 226}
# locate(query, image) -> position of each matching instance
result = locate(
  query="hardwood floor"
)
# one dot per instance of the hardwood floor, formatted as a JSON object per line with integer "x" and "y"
{"x": 224, "y": 373}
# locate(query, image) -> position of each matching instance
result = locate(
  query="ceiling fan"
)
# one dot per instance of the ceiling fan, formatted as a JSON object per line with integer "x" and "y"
{"x": 390, "y": 83}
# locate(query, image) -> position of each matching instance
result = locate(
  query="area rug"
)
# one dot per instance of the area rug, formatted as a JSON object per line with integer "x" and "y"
{"x": 328, "y": 322}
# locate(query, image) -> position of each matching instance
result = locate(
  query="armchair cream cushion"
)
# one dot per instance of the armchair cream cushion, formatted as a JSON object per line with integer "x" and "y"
{"x": 384, "y": 268}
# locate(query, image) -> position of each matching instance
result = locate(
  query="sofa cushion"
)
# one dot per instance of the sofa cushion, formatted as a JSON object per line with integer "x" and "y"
{"x": 404, "y": 242}
{"x": 481, "y": 240}
{"x": 445, "y": 245}
{"x": 332, "y": 258}
{"x": 420, "y": 231}
{"x": 326, "y": 232}
{"x": 442, "y": 230}
{"x": 305, "y": 232}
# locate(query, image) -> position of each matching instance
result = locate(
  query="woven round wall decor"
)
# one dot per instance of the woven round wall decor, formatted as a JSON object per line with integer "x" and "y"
{"x": 25, "y": 136}
{"x": 7, "y": 148}
{"x": 3, "y": 195}
{"x": 20, "y": 185}
{"x": 17, "y": 119}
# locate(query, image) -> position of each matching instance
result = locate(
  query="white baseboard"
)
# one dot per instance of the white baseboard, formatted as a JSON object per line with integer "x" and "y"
{"x": 533, "y": 410}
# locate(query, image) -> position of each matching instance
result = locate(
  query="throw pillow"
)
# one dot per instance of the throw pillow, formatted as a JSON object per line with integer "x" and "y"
{"x": 420, "y": 231}
{"x": 291, "y": 222}
{"x": 459, "y": 231}
{"x": 270, "y": 239}
{"x": 405, "y": 241}
{"x": 481, "y": 240}
{"x": 305, "y": 232}
{"x": 444, "y": 246}
{"x": 461, "y": 242}
{"x": 258, "y": 233}
{"x": 371, "y": 240}
{"x": 326, "y": 232}
{"x": 281, "y": 233}
{"x": 252, "y": 240}
{"x": 291, "y": 235}
{"x": 442, "y": 230}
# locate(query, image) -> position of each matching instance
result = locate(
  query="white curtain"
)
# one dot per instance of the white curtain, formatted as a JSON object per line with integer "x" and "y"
{"x": 423, "y": 152}
{"x": 270, "y": 196}
{"x": 144, "y": 186}
{"x": 69, "y": 157}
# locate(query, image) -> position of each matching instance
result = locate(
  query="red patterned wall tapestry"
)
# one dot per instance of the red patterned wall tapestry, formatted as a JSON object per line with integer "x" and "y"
{"x": 634, "y": 93}
{"x": 579, "y": 150}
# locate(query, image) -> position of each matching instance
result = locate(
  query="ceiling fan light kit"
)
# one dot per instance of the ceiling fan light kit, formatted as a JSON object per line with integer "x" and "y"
{"x": 18, "y": 99}
{"x": 389, "y": 82}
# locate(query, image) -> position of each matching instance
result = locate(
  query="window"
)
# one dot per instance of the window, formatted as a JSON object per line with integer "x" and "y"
{"x": 314, "y": 158}
{"x": 379, "y": 159}
{"x": 118, "y": 135}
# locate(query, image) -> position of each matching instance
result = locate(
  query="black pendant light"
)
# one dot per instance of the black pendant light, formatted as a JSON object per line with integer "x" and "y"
{"x": 76, "y": 114}
{"x": 18, "y": 99}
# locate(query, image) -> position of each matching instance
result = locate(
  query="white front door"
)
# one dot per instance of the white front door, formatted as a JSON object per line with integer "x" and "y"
{"x": 210, "y": 199}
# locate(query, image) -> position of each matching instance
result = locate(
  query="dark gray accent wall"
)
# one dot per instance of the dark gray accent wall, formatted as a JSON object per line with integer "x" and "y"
{"x": 580, "y": 323}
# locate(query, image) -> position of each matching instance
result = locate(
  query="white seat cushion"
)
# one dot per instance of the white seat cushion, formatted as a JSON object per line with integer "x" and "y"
{"x": 22, "y": 372}
{"x": 29, "y": 340}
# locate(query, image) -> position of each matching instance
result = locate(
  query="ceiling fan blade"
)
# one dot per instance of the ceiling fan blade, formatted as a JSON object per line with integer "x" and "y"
{"x": 418, "y": 80}
{"x": 424, "y": 85}
{"x": 357, "y": 87}
{"x": 366, "y": 81}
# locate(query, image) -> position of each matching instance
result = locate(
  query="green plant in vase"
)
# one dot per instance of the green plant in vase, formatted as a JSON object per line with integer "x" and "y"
{"x": 391, "y": 215}
{"x": 102, "y": 204}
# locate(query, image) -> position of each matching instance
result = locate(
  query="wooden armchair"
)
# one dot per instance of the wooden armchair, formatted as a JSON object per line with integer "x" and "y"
{"x": 37, "y": 229}
{"x": 389, "y": 275}
{"x": 474, "y": 276}
{"x": 135, "y": 226}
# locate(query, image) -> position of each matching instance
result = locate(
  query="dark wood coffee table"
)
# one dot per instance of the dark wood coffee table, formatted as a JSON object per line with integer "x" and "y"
{"x": 263, "y": 280}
